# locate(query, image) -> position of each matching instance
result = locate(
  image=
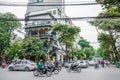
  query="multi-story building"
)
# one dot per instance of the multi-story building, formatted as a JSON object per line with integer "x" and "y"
{"x": 39, "y": 20}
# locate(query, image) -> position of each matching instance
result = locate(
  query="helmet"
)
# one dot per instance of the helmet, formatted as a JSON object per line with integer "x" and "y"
{"x": 40, "y": 59}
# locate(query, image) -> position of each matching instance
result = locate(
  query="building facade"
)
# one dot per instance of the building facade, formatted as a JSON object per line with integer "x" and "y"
{"x": 39, "y": 20}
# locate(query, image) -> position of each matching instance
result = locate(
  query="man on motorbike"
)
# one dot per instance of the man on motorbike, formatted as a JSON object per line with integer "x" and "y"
{"x": 56, "y": 62}
{"x": 41, "y": 70}
{"x": 40, "y": 65}
{"x": 75, "y": 63}
{"x": 74, "y": 67}
{"x": 48, "y": 63}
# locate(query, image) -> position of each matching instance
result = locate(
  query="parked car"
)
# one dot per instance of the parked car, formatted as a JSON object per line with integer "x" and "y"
{"x": 107, "y": 62}
{"x": 26, "y": 65}
{"x": 83, "y": 63}
{"x": 92, "y": 62}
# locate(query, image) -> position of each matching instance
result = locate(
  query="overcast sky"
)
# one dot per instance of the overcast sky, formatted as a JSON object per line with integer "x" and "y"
{"x": 87, "y": 31}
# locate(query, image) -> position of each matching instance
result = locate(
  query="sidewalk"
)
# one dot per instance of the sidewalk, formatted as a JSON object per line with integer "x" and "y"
{"x": 3, "y": 68}
{"x": 112, "y": 66}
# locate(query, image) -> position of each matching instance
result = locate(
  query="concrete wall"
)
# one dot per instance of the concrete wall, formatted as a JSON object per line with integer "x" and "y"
{"x": 45, "y": 2}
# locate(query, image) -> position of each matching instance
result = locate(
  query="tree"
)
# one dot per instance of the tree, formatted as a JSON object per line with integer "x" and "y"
{"x": 67, "y": 35}
{"x": 79, "y": 54}
{"x": 88, "y": 52}
{"x": 110, "y": 27}
{"x": 6, "y": 29}
{"x": 15, "y": 50}
{"x": 33, "y": 46}
{"x": 83, "y": 43}
{"x": 111, "y": 6}
{"x": 105, "y": 44}
{"x": 105, "y": 52}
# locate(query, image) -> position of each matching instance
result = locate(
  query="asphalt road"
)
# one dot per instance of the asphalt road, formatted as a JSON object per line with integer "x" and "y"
{"x": 107, "y": 73}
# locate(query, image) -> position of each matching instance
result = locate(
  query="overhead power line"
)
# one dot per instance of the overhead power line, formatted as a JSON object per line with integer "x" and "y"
{"x": 66, "y": 18}
{"x": 52, "y": 4}
{"x": 48, "y": 2}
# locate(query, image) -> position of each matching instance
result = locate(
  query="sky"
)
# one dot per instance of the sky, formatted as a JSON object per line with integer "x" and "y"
{"x": 87, "y": 31}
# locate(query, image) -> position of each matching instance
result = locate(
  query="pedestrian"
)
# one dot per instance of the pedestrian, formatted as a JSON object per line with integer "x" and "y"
{"x": 3, "y": 64}
{"x": 102, "y": 63}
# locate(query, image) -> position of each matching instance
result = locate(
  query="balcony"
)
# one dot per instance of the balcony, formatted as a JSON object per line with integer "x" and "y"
{"x": 38, "y": 24}
{"x": 46, "y": 36}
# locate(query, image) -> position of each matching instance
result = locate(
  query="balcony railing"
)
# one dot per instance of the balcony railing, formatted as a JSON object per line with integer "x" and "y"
{"x": 39, "y": 24}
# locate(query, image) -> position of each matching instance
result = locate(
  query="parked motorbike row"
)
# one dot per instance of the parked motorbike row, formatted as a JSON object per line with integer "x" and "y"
{"x": 48, "y": 71}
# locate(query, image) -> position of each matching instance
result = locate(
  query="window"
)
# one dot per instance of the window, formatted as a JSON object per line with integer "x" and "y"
{"x": 40, "y": 0}
{"x": 32, "y": 1}
{"x": 18, "y": 62}
{"x": 54, "y": 11}
{"x": 35, "y": 1}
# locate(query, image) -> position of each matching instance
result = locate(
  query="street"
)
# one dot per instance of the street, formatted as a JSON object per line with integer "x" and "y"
{"x": 107, "y": 73}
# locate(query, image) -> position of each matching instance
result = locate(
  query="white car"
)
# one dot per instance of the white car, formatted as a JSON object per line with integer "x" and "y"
{"x": 26, "y": 65}
{"x": 92, "y": 62}
{"x": 83, "y": 63}
{"x": 107, "y": 62}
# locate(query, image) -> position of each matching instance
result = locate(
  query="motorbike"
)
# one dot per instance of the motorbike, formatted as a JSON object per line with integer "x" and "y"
{"x": 43, "y": 71}
{"x": 53, "y": 69}
{"x": 96, "y": 66}
{"x": 59, "y": 67}
{"x": 102, "y": 65}
{"x": 74, "y": 68}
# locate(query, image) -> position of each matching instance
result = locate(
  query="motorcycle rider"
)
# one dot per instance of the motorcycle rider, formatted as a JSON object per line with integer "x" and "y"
{"x": 96, "y": 64}
{"x": 56, "y": 62}
{"x": 74, "y": 64}
{"x": 48, "y": 63}
{"x": 41, "y": 69}
{"x": 40, "y": 65}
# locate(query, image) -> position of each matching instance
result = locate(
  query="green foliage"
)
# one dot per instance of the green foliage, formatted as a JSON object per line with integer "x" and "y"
{"x": 89, "y": 52}
{"x": 105, "y": 38}
{"x": 33, "y": 45}
{"x": 29, "y": 47}
{"x": 107, "y": 24}
{"x": 84, "y": 43}
{"x": 86, "y": 53}
{"x": 6, "y": 30}
{"x": 76, "y": 53}
{"x": 109, "y": 28}
{"x": 87, "y": 49}
{"x": 67, "y": 33}
{"x": 111, "y": 6}
{"x": 15, "y": 50}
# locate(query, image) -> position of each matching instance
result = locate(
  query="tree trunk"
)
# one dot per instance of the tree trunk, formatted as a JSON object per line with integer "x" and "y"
{"x": 117, "y": 55}
{"x": 67, "y": 53}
